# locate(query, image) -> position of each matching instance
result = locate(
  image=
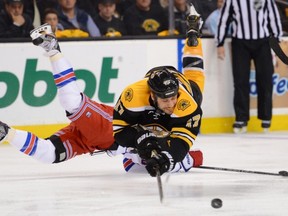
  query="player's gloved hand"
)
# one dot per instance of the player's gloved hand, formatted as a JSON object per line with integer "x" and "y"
{"x": 146, "y": 143}
{"x": 161, "y": 163}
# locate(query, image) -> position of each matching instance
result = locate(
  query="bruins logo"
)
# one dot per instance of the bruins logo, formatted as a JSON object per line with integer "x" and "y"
{"x": 111, "y": 30}
{"x": 150, "y": 25}
{"x": 183, "y": 104}
{"x": 129, "y": 94}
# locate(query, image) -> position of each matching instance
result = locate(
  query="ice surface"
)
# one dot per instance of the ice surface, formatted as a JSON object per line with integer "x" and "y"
{"x": 98, "y": 185}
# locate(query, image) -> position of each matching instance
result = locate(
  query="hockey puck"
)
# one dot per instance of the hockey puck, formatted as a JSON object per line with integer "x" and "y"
{"x": 283, "y": 173}
{"x": 216, "y": 203}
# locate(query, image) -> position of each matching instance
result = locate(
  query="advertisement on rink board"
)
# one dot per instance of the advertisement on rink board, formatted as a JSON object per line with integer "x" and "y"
{"x": 280, "y": 82}
{"x": 28, "y": 95}
{"x": 103, "y": 68}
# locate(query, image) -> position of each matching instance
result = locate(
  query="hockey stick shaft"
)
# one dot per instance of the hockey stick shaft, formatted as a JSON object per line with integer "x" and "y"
{"x": 158, "y": 175}
{"x": 274, "y": 44}
{"x": 160, "y": 187}
{"x": 97, "y": 152}
{"x": 281, "y": 173}
{"x": 284, "y": 2}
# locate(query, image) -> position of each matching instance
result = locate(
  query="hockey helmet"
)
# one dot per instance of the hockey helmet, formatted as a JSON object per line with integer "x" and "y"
{"x": 163, "y": 82}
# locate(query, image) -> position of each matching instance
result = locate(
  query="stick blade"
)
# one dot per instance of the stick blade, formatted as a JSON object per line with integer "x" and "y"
{"x": 283, "y": 173}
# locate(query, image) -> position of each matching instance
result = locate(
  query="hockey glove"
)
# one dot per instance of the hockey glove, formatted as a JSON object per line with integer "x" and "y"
{"x": 146, "y": 143}
{"x": 162, "y": 162}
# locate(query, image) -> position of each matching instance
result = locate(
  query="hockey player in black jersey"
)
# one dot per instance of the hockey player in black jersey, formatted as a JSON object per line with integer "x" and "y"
{"x": 159, "y": 117}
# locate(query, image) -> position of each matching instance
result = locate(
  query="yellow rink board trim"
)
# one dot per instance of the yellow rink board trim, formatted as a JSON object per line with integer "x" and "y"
{"x": 209, "y": 126}
{"x": 224, "y": 124}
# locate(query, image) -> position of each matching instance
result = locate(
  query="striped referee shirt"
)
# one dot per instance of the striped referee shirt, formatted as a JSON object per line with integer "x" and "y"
{"x": 250, "y": 19}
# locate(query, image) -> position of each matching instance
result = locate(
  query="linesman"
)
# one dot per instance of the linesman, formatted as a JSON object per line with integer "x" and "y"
{"x": 253, "y": 21}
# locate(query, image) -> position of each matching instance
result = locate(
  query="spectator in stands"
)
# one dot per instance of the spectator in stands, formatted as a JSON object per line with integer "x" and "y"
{"x": 72, "y": 17}
{"x": 211, "y": 23}
{"x": 181, "y": 10}
{"x": 35, "y": 9}
{"x": 13, "y": 22}
{"x": 90, "y": 6}
{"x": 51, "y": 17}
{"x": 144, "y": 18}
{"x": 122, "y": 5}
{"x": 109, "y": 25}
{"x": 205, "y": 7}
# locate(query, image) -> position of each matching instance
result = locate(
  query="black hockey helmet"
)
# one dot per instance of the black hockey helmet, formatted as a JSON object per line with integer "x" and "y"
{"x": 163, "y": 82}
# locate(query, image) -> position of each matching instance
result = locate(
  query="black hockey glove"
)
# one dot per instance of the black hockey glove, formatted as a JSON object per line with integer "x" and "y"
{"x": 147, "y": 142}
{"x": 162, "y": 162}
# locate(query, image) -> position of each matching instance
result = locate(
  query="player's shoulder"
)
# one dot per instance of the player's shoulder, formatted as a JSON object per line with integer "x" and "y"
{"x": 186, "y": 104}
{"x": 136, "y": 95}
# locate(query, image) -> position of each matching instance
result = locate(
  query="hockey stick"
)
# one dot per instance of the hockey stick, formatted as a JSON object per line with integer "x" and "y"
{"x": 158, "y": 176}
{"x": 160, "y": 187}
{"x": 277, "y": 49}
{"x": 154, "y": 153}
{"x": 138, "y": 127}
{"x": 97, "y": 152}
{"x": 280, "y": 173}
{"x": 282, "y": 2}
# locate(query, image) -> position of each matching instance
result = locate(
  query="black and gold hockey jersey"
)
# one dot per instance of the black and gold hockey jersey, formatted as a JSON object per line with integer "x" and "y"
{"x": 179, "y": 129}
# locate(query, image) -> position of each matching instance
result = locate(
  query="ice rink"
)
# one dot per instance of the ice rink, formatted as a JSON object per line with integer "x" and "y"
{"x": 98, "y": 185}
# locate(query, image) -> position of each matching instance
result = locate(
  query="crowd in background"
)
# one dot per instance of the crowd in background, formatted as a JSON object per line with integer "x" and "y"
{"x": 108, "y": 18}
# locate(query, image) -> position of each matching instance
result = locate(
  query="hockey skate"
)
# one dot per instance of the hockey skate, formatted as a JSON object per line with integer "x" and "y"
{"x": 3, "y": 130}
{"x": 192, "y": 159}
{"x": 266, "y": 124}
{"x": 43, "y": 36}
{"x": 197, "y": 156}
{"x": 194, "y": 24}
{"x": 240, "y": 127}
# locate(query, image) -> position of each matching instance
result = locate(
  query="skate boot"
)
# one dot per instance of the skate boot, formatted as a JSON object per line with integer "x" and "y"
{"x": 197, "y": 156}
{"x": 240, "y": 127}
{"x": 3, "y": 130}
{"x": 266, "y": 124}
{"x": 43, "y": 36}
{"x": 192, "y": 159}
{"x": 194, "y": 24}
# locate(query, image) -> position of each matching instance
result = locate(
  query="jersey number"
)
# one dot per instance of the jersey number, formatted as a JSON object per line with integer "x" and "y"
{"x": 119, "y": 108}
{"x": 195, "y": 120}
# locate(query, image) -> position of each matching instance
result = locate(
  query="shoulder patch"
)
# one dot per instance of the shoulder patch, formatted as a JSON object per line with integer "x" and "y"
{"x": 183, "y": 104}
{"x": 128, "y": 94}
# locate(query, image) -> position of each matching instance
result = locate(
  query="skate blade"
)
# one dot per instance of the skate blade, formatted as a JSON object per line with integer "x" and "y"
{"x": 240, "y": 130}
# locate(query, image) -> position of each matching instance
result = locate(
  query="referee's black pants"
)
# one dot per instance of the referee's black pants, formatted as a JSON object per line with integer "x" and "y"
{"x": 242, "y": 53}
